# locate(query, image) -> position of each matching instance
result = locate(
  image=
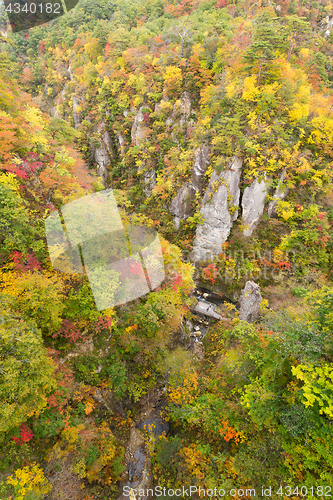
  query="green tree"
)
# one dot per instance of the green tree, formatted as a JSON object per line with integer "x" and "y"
{"x": 297, "y": 31}
{"x": 16, "y": 228}
{"x": 25, "y": 371}
{"x": 38, "y": 297}
{"x": 268, "y": 39}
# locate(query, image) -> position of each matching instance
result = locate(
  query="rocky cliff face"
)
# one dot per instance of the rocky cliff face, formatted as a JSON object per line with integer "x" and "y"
{"x": 121, "y": 143}
{"x": 76, "y": 116}
{"x": 103, "y": 152}
{"x": 253, "y": 204}
{"x": 179, "y": 119}
{"x": 219, "y": 208}
{"x": 181, "y": 205}
{"x": 221, "y": 201}
{"x": 201, "y": 162}
{"x": 138, "y": 134}
{"x": 54, "y": 109}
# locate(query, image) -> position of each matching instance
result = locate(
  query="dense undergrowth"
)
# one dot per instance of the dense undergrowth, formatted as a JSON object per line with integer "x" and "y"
{"x": 257, "y": 411}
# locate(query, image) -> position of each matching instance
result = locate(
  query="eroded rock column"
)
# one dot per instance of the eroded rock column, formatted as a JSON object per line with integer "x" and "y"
{"x": 253, "y": 204}
{"x": 219, "y": 209}
{"x": 249, "y": 302}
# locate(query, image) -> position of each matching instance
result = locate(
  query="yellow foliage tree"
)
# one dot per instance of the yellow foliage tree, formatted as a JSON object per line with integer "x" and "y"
{"x": 318, "y": 386}
{"x": 173, "y": 81}
{"x": 29, "y": 480}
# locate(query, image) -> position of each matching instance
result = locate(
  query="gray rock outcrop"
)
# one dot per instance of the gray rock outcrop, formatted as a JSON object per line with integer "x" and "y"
{"x": 200, "y": 164}
{"x": 122, "y": 142}
{"x": 219, "y": 209}
{"x": 197, "y": 349}
{"x": 158, "y": 105}
{"x": 76, "y": 116}
{"x": 181, "y": 110}
{"x": 179, "y": 120}
{"x": 149, "y": 181}
{"x": 181, "y": 205}
{"x": 253, "y": 204}
{"x": 186, "y": 329}
{"x": 70, "y": 72}
{"x": 54, "y": 111}
{"x": 103, "y": 152}
{"x": 81, "y": 348}
{"x": 113, "y": 404}
{"x": 185, "y": 107}
{"x": 328, "y": 23}
{"x": 249, "y": 302}
{"x": 139, "y": 129}
{"x": 138, "y": 134}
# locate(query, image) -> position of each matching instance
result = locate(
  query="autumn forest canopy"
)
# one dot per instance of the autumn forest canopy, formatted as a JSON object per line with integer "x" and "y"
{"x": 212, "y": 121}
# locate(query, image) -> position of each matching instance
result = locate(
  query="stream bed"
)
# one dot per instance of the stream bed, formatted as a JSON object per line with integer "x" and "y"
{"x": 136, "y": 455}
{"x": 138, "y": 474}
